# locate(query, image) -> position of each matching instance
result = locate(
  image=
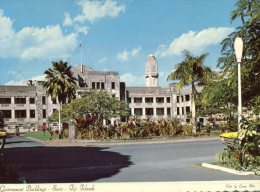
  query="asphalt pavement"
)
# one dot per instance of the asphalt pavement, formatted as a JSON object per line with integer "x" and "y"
{"x": 178, "y": 161}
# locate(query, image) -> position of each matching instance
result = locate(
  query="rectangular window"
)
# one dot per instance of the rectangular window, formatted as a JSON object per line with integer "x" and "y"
{"x": 98, "y": 85}
{"x": 138, "y": 111}
{"x": 159, "y": 99}
{"x": 113, "y": 85}
{"x": 129, "y": 99}
{"x": 32, "y": 113}
{"x": 53, "y": 111}
{"x": 20, "y": 100}
{"x": 168, "y": 99}
{"x": 178, "y": 110}
{"x": 182, "y": 110}
{"x": 102, "y": 85}
{"x": 54, "y": 101}
{"x": 160, "y": 111}
{"x": 44, "y": 113}
{"x": 5, "y": 100}
{"x": 7, "y": 113}
{"x": 178, "y": 99}
{"x": 187, "y": 97}
{"x": 32, "y": 100}
{"x": 181, "y": 98}
{"x": 138, "y": 100}
{"x": 187, "y": 109}
{"x": 43, "y": 100}
{"x": 20, "y": 113}
{"x": 148, "y": 111}
{"x": 149, "y": 100}
{"x": 168, "y": 111}
{"x": 93, "y": 85}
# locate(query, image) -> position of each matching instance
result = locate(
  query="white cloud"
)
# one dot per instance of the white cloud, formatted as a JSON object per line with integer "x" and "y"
{"x": 23, "y": 81}
{"x": 135, "y": 51}
{"x": 132, "y": 80}
{"x": 195, "y": 42}
{"x": 102, "y": 60}
{"x": 80, "y": 29}
{"x": 163, "y": 75}
{"x": 6, "y": 30}
{"x": 93, "y": 10}
{"x": 123, "y": 56}
{"x": 126, "y": 55}
{"x": 67, "y": 21}
{"x": 12, "y": 82}
{"x": 33, "y": 42}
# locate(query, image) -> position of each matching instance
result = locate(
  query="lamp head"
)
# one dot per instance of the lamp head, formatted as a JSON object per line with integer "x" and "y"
{"x": 238, "y": 46}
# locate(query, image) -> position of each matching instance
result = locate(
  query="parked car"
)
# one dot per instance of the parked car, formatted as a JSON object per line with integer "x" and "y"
{"x": 229, "y": 138}
{"x": 54, "y": 126}
{"x": 3, "y": 133}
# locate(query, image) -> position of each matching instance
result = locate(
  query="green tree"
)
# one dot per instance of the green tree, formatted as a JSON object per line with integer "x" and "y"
{"x": 192, "y": 71}
{"x": 223, "y": 94}
{"x": 248, "y": 11}
{"x": 98, "y": 103}
{"x": 220, "y": 97}
{"x": 60, "y": 84}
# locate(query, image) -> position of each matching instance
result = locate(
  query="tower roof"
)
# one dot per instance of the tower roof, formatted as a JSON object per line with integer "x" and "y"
{"x": 151, "y": 66}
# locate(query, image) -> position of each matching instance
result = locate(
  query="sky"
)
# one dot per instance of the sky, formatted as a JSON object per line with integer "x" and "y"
{"x": 115, "y": 35}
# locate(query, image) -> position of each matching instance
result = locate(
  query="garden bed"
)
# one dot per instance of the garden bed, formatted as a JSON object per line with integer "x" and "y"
{"x": 228, "y": 169}
{"x": 40, "y": 135}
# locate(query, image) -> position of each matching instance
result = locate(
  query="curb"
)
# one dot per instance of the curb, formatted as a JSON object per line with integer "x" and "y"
{"x": 146, "y": 142}
{"x": 228, "y": 170}
{"x": 36, "y": 140}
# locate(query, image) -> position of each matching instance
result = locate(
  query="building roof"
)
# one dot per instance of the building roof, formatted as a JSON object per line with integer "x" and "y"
{"x": 17, "y": 90}
{"x": 148, "y": 90}
{"x": 103, "y": 73}
{"x": 80, "y": 69}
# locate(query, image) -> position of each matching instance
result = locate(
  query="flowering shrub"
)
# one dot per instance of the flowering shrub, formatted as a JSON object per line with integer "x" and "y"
{"x": 87, "y": 128}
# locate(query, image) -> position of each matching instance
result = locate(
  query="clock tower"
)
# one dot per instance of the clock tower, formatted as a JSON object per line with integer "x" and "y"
{"x": 151, "y": 72}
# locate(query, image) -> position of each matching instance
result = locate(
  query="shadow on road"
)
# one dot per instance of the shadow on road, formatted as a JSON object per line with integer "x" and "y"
{"x": 65, "y": 164}
{"x": 13, "y": 142}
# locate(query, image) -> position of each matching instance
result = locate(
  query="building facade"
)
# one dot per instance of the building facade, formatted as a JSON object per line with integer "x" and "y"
{"x": 28, "y": 106}
{"x": 154, "y": 102}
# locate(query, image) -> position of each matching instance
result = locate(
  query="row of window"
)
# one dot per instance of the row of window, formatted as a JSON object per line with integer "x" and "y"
{"x": 182, "y": 110}
{"x": 181, "y": 98}
{"x": 21, "y": 113}
{"x": 151, "y": 99}
{"x": 101, "y": 85}
{"x": 22, "y": 100}
{"x": 150, "y": 111}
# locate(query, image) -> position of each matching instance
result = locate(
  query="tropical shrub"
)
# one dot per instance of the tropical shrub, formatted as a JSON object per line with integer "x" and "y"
{"x": 245, "y": 153}
{"x": 187, "y": 130}
{"x": 207, "y": 128}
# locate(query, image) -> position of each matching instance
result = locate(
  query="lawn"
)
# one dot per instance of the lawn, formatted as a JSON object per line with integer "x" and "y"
{"x": 40, "y": 135}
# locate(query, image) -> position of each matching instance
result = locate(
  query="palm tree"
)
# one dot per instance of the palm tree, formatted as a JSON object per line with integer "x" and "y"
{"x": 60, "y": 84}
{"x": 191, "y": 71}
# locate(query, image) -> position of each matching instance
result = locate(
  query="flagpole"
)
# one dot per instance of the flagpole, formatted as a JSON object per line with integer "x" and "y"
{"x": 81, "y": 57}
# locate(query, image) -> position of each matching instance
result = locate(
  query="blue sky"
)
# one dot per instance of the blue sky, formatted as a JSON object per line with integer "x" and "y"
{"x": 115, "y": 35}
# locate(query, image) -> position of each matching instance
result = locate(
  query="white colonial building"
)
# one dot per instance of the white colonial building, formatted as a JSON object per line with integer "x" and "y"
{"x": 28, "y": 106}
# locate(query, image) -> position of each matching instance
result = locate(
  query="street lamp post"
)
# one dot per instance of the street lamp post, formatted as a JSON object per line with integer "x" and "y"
{"x": 238, "y": 46}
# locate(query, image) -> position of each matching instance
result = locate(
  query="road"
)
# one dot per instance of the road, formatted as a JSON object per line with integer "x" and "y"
{"x": 177, "y": 161}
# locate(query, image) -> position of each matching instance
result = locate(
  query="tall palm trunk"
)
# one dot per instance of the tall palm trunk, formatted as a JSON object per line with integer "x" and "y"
{"x": 193, "y": 109}
{"x": 60, "y": 107}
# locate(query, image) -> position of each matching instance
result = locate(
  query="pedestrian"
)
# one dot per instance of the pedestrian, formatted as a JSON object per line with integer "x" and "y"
{"x": 44, "y": 127}
{"x": 17, "y": 132}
